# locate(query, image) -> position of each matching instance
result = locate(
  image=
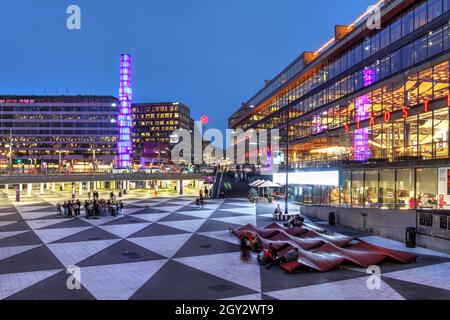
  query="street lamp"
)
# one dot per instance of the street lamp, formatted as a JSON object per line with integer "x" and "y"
{"x": 10, "y": 154}
{"x": 94, "y": 160}
{"x": 286, "y": 160}
{"x": 10, "y": 158}
{"x": 60, "y": 160}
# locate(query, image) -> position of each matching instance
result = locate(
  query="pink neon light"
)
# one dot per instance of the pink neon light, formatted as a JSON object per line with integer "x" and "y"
{"x": 125, "y": 146}
{"x": 362, "y": 105}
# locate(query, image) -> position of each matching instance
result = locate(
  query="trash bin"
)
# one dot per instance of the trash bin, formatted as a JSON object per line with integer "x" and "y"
{"x": 410, "y": 238}
{"x": 332, "y": 218}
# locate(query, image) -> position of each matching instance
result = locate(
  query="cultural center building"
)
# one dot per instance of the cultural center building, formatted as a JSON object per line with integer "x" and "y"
{"x": 372, "y": 105}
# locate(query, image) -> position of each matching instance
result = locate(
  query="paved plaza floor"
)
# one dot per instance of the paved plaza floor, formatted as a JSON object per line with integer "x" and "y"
{"x": 165, "y": 248}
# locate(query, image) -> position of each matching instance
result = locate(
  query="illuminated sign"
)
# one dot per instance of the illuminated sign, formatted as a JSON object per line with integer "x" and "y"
{"x": 204, "y": 120}
{"x": 22, "y": 101}
{"x": 319, "y": 178}
{"x": 387, "y": 115}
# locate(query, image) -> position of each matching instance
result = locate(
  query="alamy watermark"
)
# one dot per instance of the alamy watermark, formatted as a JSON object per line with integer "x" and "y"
{"x": 73, "y": 21}
{"x": 254, "y": 147}
{"x": 74, "y": 280}
{"x": 374, "y": 19}
{"x": 374, "y": 281}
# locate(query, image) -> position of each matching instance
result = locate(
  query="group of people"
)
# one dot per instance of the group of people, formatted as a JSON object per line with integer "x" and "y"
{"x": 101, "y": 207}
{"x": 93, "y": 208}
{"x": 297, "y": 221}
{"x": 266, "y": 256}
{"x": 203, "y": 194}
{"x": 69, "y": 209}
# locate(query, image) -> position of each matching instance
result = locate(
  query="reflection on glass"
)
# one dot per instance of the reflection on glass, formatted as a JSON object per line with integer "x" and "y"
{"x": 427, "y": 180}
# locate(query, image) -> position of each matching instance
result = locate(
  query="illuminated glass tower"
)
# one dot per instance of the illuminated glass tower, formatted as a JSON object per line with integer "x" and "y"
{"x": 125, "y": 117}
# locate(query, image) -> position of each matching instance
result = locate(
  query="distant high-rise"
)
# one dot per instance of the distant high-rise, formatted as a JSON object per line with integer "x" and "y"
{"x": 154, "y": 124}
{"x": 125, "y": 147}
{"x": 77, "y": 130}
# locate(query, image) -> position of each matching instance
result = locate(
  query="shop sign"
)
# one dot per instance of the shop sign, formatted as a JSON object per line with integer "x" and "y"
{"x": 388, "y": 115}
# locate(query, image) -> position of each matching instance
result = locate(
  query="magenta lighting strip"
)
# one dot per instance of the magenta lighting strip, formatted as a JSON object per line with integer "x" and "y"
{"x": 362, "y": 105}
{"x": 125, "y": 117}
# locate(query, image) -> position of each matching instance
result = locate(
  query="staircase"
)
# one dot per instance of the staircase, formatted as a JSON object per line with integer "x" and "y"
{"x": 218, "y": 180}
{"x": 233, "y": 188}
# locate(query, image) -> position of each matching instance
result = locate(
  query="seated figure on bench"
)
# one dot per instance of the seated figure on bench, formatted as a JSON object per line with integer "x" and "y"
{"x": 278, "y": 210}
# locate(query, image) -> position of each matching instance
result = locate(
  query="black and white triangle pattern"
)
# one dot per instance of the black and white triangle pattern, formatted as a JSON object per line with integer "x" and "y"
{"x": 166, "y": 248}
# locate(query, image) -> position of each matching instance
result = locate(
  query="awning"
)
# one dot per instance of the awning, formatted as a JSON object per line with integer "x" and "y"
{"x": 269, "y": 184}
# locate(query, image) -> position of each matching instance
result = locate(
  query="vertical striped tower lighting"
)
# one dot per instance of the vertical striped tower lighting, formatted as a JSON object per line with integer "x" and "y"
{"x": 125, "y": 118}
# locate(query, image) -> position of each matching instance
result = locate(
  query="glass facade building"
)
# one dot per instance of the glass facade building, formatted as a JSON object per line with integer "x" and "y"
{"x": 51, "y": 129}
{"x": 373, "y": 104}
{"x": 154, "y": 123}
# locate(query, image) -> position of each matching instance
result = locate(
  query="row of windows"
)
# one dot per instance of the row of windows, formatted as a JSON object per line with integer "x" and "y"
{"x": 148, "y": 109}
{"x": 56, "y": 117}
{"x": 434, "y": 43}
{"x": 161, "y": 139}
{"x": 50, "y": 133}
{"x": 401, "y": 188}
{"x": 56, "y": 140}
{"x": 21, "y": 126}
{"x": 156, "y": 116}
{"x": 411, "y": 20}
{"x": 151, "y": 123}
{"x": 58, "y": 124}
{"x": 429, "y": 84}
{"x": 152, "y": 131}
{"x": 423, "y": 136}
{"x": 63, "y": 108}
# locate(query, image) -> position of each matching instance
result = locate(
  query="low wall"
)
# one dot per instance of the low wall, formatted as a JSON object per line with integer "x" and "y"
{"x": 385, "y": 223}
{"x": 59, "y": 178}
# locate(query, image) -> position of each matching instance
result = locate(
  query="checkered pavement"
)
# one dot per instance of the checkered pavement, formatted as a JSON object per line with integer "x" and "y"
{"x": 166, "y": 248}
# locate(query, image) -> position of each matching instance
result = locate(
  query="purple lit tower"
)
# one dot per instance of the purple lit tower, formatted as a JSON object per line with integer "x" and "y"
{"x": 125, "y": 147}
{"x": 362, "y": 104}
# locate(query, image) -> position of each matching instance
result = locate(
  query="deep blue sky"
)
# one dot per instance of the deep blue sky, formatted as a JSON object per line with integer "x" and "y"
{"x": 210, "y": 54}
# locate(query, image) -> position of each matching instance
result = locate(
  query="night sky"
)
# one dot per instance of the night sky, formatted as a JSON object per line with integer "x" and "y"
{"x": 209, "y": 54}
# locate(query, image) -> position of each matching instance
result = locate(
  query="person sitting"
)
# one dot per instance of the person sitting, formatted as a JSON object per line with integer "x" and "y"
{"x": 278, "y": 210}
{"x": 245, "y": 249}
{"x": 268, "y": 255}
{"x": 257, "y": 243}
{"x": 295, "y": 222}
{"x": 291, "y": 255}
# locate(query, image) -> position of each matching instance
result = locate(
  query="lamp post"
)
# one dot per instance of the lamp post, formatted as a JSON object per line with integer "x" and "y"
{"x": 60, "y": 160}
{"x": 94, "y": 159}
{"x": 10, "y": 154}
{"x": 286, "y": 160}
{"x": 9, "y": 158}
